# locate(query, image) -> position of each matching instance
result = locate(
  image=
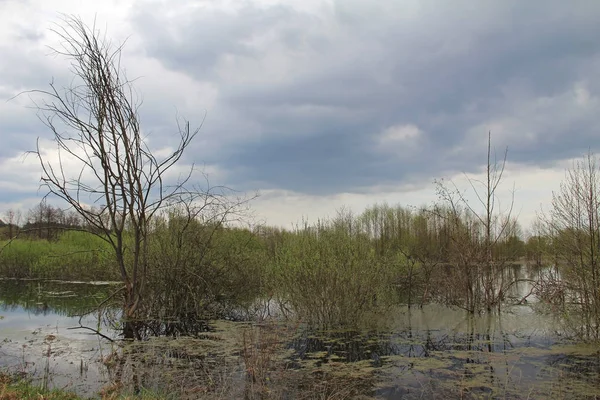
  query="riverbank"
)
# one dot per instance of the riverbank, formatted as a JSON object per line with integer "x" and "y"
{"x": 12, "y": 388}
{"x": 23, "y": 390}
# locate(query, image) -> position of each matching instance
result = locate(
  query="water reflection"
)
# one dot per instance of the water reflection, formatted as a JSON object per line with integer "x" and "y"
{"x": 428, "y": 352}
{"x": 52, "y": 297}
{"x": 36, "y": 339}
{"x": 438, "y": 352}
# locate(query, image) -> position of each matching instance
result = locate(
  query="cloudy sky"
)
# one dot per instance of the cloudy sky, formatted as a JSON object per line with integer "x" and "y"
{"x": 319, "y": 104}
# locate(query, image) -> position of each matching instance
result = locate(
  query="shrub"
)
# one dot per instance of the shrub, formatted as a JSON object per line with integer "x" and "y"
{"x": 331, "y": 276}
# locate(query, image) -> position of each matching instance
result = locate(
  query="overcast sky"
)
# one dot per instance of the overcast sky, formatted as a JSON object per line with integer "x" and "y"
{"x": 323, "y": 104}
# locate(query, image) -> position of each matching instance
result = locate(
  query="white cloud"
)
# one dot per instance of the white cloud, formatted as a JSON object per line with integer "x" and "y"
{"x": 22, "y": 174}
{"x": 582, "y": 95}
{"x": 399, "y": 139}
{"x": 400, "y": 134}
{"x": 532, "y": 188}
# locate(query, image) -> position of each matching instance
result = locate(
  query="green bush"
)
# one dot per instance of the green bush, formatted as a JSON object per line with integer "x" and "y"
{"x": 331, "y": 277}
{"x": 198, "y": 270}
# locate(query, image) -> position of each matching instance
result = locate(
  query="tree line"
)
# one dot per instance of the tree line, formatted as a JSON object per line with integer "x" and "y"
{"x": 42, "y": 221}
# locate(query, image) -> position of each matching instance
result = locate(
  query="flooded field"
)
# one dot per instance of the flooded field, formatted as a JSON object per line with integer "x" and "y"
{"x": 429, "y": 352}
{"x": 37, "y": 335}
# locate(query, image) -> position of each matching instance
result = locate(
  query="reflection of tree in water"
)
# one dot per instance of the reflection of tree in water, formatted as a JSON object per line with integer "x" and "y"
{"x": 417, "y": 360}
{"x": 345, "y": 346}
{"x": 9, "y": 307}
{"x": 434, "y": 355}
{"x": 474, "y": 358}
{"x": 577, "y": 366}
{"x": 351, "y": 346}
{"x": 185, "y": 324}
{"x": 221, "y": 364}
{"x": 44, "y": 298}
{"x": 431, "y": 362}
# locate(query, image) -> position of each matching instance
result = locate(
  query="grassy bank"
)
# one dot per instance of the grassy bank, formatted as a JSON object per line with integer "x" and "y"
{"x": 24, "y": 390}
{"x": 73, "y": 256}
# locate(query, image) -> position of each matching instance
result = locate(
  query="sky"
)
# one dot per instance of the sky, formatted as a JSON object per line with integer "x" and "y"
{"x": 321, "y": 104}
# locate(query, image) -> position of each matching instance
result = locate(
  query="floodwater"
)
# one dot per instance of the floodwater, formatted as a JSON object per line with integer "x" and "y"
{"x": 429, "y": 352}
{"x": 37, "y": 337}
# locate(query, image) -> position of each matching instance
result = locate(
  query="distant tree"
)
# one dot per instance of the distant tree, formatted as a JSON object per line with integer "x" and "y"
{"x": 13, "y": 219}
{"x": 538, "y": 249}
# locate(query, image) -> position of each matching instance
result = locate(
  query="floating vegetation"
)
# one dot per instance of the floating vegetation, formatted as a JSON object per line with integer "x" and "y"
{"x": 429, "y": 353}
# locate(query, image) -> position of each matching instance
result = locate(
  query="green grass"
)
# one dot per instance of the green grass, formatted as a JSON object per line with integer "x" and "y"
{"x": 25, "y": 391}
{"x": 22, "y": 389}
{"x": 75, "y": 255}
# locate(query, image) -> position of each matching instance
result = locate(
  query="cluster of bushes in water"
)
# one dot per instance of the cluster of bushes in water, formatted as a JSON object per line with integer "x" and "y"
{"x": 330, "y": 273}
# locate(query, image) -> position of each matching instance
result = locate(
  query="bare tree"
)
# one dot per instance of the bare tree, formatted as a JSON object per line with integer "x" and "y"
{"x": 44, "y": 220}
{"x": 120, "y": 184}
{"x": 476, "y": 231}
{"x": 13, "y": 219}
{"x": 573, "y": 286}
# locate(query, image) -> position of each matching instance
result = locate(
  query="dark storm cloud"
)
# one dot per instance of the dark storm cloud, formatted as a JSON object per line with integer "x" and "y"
{"x": 211, "y": 33}
{"x": 324, "y": 164}
{"x": 451, "y": 70}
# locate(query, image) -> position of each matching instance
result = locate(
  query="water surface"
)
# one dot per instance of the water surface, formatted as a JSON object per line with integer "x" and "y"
{"x": 37, "y": 337}
{"x": 429, "y": 352}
